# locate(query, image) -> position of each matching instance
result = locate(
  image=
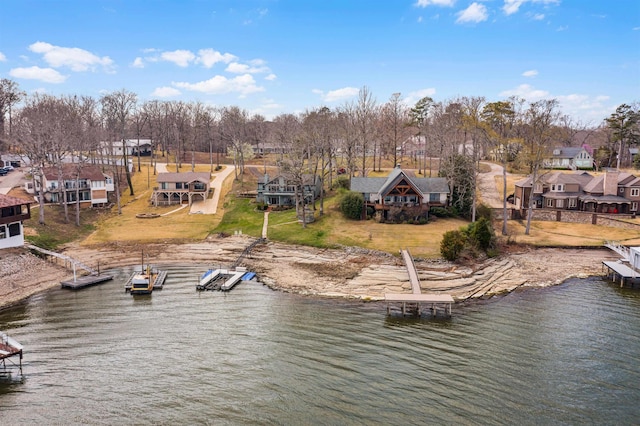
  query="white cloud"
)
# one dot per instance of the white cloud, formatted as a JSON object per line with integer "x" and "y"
{"x": 527, "y": 92}
{"x": 530, "y": 73}
{"x": 338, "y": 94}
{"x": 72, "y": 57}
{"x": 210, "y": 57}
{"x": 243, "y": 84}
{"x": 138, "y": 63}
{"x": 537, "y": 16}
{"x": 48, "y": 75}
{"x": 425, "y": 3}
{"x": 587, "y": 108}
{"x": 413, "y": 97}
{"x": 271, "y": 77}
{"x": 2, "y": 57}
{"x": 512, "y": 6}
{"x": 254, "y": 67}
{"x": 166, "y": 92}
{"x": 476, "y": 12}
{"x": 179, "y": 57}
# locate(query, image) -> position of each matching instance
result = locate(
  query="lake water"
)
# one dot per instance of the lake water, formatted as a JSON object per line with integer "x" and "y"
{"x": 562, "y": 355}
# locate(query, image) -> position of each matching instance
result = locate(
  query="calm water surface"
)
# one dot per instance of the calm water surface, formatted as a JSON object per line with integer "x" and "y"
{"x": 563, "y": 355}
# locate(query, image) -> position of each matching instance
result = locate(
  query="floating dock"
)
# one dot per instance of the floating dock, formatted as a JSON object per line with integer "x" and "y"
{"x": 224, "y": 279}
{"x": 85, "y": 281}
{"x": 414, "y": 302}
{"x": 627, "y": 269}
{"x": 158, "y": 284}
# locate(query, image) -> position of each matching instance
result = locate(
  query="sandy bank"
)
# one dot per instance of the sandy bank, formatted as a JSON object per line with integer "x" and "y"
{"x": 348, "y": 272}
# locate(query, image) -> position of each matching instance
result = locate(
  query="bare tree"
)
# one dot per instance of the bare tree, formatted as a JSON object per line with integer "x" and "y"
{"x": 233, "y": 130}
{"x": 394, "y": 123}
{"x": 365, "y": 114}
{"x": 541, "y": 116}
{"x": 10, "y": 95}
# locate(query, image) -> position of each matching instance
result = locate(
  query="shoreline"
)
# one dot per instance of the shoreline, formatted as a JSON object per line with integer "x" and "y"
{"x": 349, "y": 272}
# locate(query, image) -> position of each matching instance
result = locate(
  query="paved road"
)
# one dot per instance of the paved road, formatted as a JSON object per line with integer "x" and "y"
{"x": 210, "y": 205}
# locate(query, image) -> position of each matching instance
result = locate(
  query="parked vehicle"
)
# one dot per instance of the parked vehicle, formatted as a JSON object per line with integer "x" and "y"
{"x": 3, "y": 171}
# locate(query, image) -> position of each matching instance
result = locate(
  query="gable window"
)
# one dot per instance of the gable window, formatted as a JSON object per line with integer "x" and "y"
{"x": 635, "y": 192}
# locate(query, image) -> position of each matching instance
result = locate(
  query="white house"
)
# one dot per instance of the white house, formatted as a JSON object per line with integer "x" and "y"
{"x": 13, "y": 211}
{"x": 131, "y": 146}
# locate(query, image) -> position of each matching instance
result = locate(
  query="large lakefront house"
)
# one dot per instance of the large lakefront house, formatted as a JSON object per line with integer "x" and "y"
{"x": 84, "y": 182}
{"x": 280, "y": 190}
{"x": 401, "y": 195}
{"x": 612, "y": 192}
{"x": 13, "y": 211}
{"x": 180, "y": 188}
{"x": 570, "y": 158}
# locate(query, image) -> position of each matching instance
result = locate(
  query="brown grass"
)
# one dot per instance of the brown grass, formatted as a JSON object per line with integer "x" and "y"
{"x": 563, "y": 234}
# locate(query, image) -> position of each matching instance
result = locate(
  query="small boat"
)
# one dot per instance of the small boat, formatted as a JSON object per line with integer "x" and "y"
{"x": 143, "y": 283}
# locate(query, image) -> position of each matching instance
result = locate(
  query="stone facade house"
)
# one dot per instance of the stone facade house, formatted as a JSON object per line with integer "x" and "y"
{"x": 401, "y": 195}
{"x": 612, "y": 193}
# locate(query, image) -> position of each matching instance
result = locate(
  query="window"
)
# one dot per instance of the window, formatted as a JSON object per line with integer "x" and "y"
{"x": 14, "y": 229}
{"x": 3, "y": 232}
{"x": 559, "y": 203}
{"x": 635, "y": 192}
{"x": 549, "y": 202}
{"x": 557, "y": 188}
{"x": 434, "y": 197}
{"x": 178, "y": 185}
{"x": 634, "y": 206}
{"x": 573, "y": 202}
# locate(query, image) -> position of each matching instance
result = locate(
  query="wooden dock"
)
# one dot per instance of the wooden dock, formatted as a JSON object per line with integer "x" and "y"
{"x": 414, "y": 302}
{"x": 85, "y": 281}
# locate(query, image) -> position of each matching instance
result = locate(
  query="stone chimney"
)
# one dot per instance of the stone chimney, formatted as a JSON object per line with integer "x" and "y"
{"x": 610, "y": 184}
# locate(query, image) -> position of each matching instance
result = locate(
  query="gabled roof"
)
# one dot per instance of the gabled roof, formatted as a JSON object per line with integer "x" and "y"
{"x": 184, "y": 177}
{"x": 581, "y": 178}
{"x": 7, "y": 201}
{"x": 307, "y": 179}
{"x": 382, "y": 185}
{"x": 396, "y": 176}
{"x": 70, "y": 172}
{"x": 633, "y": 183}
{"x": 567, "y": 152}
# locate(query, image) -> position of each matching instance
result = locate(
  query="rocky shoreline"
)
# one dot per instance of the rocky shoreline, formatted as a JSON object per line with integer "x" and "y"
{"x": 346, "y": 273}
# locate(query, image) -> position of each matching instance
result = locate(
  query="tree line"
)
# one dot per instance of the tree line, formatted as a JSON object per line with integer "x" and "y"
{"x": 441, "y": 138}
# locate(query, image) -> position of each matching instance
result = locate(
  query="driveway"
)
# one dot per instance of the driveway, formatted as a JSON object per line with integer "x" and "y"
{"x": 11, "y": 180}
{"x": 488, "y": 189}
{"x": 210, "y": 205}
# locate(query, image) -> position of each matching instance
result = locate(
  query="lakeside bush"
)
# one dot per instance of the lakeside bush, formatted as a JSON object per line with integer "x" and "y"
{"x": 474, "y": 238}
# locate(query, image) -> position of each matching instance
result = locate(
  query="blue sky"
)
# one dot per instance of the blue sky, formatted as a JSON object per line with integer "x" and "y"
{"x": 275, "y": 56}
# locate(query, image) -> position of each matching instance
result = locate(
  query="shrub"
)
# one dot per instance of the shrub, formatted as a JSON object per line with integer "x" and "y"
{"x": 481, "y": 233}
{"x": 351, "y": 205}
{"x": 341, "y": 182}
{"x": 452, "y": 244}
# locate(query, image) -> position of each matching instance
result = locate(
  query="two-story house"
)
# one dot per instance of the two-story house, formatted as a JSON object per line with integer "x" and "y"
{"x": 180, "y": 188}
{"x": 13, "y": 211}
{"x": 612, "y": 192}
{"x": 280, "y": 190}
{"x": 400, "y": 194}
{"x": 569, "y": 158}
{"x": 86, "y": 182}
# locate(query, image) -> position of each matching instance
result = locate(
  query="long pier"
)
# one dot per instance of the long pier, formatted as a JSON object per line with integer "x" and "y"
{"x": 412, "y": 303}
